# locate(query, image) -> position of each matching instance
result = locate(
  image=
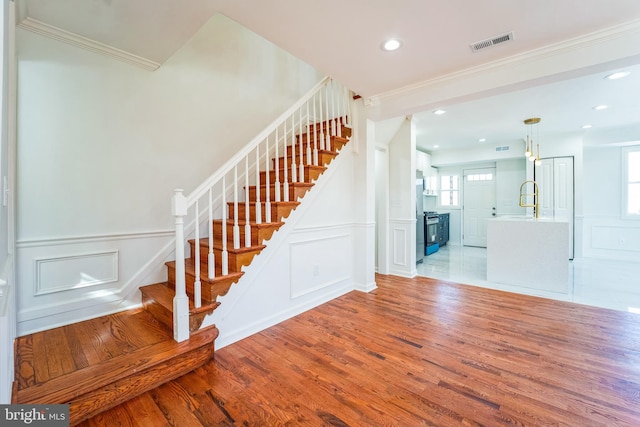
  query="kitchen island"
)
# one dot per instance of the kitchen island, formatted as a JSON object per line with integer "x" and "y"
{"x": 529, "y": 252}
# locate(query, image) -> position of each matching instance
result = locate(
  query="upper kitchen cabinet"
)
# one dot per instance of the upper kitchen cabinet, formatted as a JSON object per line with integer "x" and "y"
{"x": 430, "y": 174}
{"x": 423, "y": 161}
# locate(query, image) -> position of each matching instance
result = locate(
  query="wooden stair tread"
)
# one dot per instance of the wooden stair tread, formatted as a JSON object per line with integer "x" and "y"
{"x": 304, "y": 146}
{"x": 66, "y": 387}
{"x": 242, "y": 223}
{"x": 163, "y": 295}
{"x": 290, "y": 184}
{"x": 189, "y": 268}
{"x": 204, "y": 242}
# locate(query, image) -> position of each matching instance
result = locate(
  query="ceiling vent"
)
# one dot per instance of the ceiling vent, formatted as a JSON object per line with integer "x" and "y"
{"x": 493, "y": 41}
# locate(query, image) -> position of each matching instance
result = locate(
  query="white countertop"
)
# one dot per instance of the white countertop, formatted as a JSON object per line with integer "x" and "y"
{"x": 525, "y": 219}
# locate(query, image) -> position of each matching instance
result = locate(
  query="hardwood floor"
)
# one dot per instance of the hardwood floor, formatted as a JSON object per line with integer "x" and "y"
{"x": 99, "y": 363}
{"x": 414, "y": 352}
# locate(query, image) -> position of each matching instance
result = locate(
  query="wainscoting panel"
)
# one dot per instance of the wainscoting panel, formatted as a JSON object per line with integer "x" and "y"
{"x": 403, "y": 247}
{"x": 615, "y": 238}
{"x": 66, "y": 280}
{"x": 76, "y": 271}
{"x": 319, "y": 263}
{"x": 400, "y": 246}
{"x": 610, "y": 237}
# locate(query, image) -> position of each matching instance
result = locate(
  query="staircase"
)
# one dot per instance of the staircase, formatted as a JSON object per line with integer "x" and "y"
{"x": 158, "y": 298}
{"x": 99, "y": 363}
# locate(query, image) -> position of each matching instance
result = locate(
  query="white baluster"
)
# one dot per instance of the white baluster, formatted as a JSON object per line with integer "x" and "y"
{"x": 308, "y": 136}
{"x": 180, "y": 300}
{"x": 236, "y": 226}
{"x": 315, "y": 133}
{"x": 211, "y": 259}
{"x": 225, "y": 253}
{"x": 267, "y": 192}
{"x": 197, "y": 299}
{"x": 320, "y": 122}
{"x": 327, "y": 130}
{"x": 294, "y": 168}
{"x": 349, "y": 116}
{"x": 247, "y": 224}
{"x": 277, "y": 194}
{"x": 286, "y": 167}
{"x": 258, "y": 205}
{"x": 334, "y": 122}
{"x": 345, "y": 106}
{"x": 301, "y": 165}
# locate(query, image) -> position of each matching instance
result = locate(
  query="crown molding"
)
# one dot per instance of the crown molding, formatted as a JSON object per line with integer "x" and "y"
{"x": 56, "y": 33}
{"x": 552, "y": 51}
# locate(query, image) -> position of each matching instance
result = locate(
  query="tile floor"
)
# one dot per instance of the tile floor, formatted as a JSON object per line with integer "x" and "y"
{"x": 602, "y": 283}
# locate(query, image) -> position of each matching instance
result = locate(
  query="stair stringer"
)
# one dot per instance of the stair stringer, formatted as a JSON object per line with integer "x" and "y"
{"x": 266, "y": 294}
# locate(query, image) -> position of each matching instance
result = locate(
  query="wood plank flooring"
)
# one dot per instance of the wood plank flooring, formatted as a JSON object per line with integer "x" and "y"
{"x": 414, "y": 352}
{"x": 99, "y": 363}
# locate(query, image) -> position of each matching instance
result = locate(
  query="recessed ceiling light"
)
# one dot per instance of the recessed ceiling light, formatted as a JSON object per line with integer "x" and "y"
{"x": 600, "y": 107}
{"x": 618, "y": 75}
{"x": 587, "y": 126}
{"x": 436, "y": 146}
{"x": 439, "y": 112}
{"x": 482, "y": 140}
{"x": 391, "y": 45}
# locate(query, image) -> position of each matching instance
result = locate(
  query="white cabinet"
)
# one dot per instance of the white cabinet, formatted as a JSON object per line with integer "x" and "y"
{"x": 430, "y": 174}
{"x": 423, "y": 161}
{"x": 431, "y": 182}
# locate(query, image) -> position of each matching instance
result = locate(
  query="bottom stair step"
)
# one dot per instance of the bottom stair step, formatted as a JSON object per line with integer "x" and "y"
{"x": 158, "y": 300}
{"x": 99, "y": 363}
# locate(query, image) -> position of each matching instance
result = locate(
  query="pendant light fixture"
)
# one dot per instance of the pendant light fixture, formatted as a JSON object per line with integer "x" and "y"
{"x": 529, "y": 141}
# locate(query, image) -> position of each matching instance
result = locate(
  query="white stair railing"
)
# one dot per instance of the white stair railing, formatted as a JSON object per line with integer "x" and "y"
{"x": 300, "y": 134}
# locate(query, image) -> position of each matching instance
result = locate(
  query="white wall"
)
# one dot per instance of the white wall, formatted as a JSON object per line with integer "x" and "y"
{"x": 323, "y": 251}
{"x": 102, "y": 144}
{"x": 510, "y": 174}
{"x": 7, "y": 185}
{"x": 402, "y": 201}
{"x": 484, "y": 153}
{"x": 605, "y": 233}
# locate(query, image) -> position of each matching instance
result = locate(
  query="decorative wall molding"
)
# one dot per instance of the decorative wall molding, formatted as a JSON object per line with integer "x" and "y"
{"x": 76, "y": 40}
{"x": 48, "y": 309}
{"x": 608, "y": 237}
{"x": 65, "y": 273}
{"x": 615, "y": 238}
{"x": 56, "y": 241}
{"x": 399, "y": 246}
{"x": 549, "y": 51}
{"x": 332, "y": 268}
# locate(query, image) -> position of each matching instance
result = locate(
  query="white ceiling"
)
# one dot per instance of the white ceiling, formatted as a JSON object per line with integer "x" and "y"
{"x": 342, "y": 39}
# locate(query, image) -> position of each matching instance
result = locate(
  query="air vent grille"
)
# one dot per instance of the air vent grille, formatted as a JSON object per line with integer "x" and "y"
{"x": 503, "y": 148}
{"x": 493, "y": 41}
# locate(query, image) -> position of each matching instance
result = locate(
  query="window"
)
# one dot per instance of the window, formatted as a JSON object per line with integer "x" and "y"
{"x": 449, "y": 190}
{"x": 631, "y": 183}
{"x": 480, "y": 177}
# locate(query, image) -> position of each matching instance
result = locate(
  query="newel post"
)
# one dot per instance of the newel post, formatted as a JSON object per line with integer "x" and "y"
{"x": 180, "y": 301}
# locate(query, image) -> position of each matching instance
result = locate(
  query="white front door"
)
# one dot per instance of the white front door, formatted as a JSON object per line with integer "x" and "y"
{"x": 479, "y": 205}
